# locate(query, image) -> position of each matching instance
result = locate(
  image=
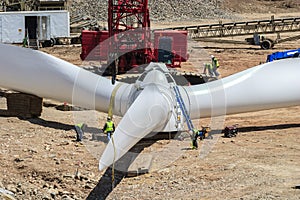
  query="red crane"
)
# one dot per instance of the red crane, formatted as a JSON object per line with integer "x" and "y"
{"x": 129, "y": 32}
{"x": 128, "y": 41}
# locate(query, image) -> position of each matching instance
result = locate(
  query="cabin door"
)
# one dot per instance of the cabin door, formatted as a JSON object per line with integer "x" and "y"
{"x": 31, "y": 26}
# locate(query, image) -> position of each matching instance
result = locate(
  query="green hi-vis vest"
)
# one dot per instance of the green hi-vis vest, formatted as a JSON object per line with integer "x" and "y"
{"x": 79, "y": 125}
{"x": 208, "y": 65}
{"x": 109, "y": 126}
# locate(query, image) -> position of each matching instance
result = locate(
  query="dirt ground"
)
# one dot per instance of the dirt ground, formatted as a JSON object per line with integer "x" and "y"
{"x": 40, "y": 158}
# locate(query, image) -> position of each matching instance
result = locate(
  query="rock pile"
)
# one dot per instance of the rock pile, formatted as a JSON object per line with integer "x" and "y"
{"x": 160, "y": 10}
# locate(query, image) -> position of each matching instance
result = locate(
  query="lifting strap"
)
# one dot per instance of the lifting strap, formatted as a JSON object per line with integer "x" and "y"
{"x": 110, "y": 114}
{"x": 112, "y": 100}
{"x": 113, "y": 165}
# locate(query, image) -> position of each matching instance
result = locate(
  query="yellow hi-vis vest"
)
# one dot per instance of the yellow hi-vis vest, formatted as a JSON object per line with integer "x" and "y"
{"x": 216, "y": 62}
{"x": 79, "y": 125}
{"x": 109, "y": 126}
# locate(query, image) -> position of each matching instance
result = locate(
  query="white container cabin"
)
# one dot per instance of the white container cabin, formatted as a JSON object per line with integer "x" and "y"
{"x": 44, "y": 26}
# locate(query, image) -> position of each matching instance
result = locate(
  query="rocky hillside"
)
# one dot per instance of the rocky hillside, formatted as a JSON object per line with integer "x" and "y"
{"x": 160, "y": 10}
{"x": 182, "y": 10}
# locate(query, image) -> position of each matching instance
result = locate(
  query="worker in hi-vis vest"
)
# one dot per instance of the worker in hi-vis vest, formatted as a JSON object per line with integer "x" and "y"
{"x": 79, "y": 128}
{"x": 109, "y": 128}
{"x": 194, "y": 138}
{"x": 215, "y": 65}
{"x": 208, "y": 67}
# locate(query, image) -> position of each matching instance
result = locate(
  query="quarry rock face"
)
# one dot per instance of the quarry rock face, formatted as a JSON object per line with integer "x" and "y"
{"x": 160, "y": 10}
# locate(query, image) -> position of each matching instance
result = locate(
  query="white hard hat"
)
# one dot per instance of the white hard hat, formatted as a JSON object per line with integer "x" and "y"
{"x": 212, "y": 56}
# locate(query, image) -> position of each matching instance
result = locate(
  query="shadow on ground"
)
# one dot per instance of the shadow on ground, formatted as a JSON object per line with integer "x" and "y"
{"x": 105, "y": 185}
{"x": 51, "y": 124}
{"x": 264, "y": 128}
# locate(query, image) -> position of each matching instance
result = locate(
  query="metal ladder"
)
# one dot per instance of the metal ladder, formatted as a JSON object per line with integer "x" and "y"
{"x": 183, "y": 108}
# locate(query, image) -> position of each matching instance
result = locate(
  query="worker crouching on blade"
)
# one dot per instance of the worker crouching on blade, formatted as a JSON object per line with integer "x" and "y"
{"x": 109, "y": 128}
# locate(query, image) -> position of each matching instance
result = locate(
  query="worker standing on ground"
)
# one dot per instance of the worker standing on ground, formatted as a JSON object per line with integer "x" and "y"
{"x": 202, "y": 134}
{"x": 109, "y": 128}
{"x": 195, "y": 136}
{"x": 25, "y": 40}
{"x": 79, "y": 128}
{"x": 215, "y": 65}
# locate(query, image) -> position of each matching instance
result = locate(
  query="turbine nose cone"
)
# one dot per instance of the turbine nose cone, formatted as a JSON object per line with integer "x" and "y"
{"x": 156, "y": 76}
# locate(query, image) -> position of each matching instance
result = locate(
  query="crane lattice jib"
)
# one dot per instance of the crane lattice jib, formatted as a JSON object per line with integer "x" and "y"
{"x": 128, "y": 25}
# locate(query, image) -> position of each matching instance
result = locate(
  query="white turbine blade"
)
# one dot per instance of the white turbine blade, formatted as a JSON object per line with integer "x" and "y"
{"x": 271, "y": 85}
{"x": 149, "y": 112}
{"x": 37, "y": 73}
